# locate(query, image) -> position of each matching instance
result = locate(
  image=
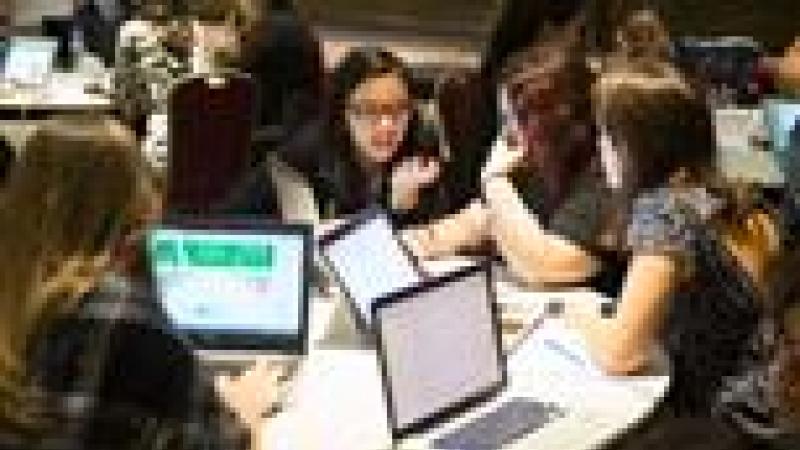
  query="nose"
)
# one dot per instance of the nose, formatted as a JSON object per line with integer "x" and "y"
{"x": 385, "y": 121}
{"x": 385, "y": 125}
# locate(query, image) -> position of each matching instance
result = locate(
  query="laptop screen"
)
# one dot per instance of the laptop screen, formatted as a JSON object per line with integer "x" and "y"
{"x": 439, "y": 349}
{"x": 230, "y": 281}
{"x": 370, "y": 262}
{"x": 28, "y": 59}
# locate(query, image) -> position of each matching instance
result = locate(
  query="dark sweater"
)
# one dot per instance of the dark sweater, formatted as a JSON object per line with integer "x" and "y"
{"x": 114, "y": 378}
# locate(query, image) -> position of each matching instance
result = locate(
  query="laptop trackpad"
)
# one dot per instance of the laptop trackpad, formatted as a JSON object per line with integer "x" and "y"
{"x": 496, "y": 429}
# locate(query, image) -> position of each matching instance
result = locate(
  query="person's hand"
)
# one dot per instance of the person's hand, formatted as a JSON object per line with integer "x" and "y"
{"x": 409, "y": 178}
{"x": 507, "y": 155}
{"x": 252, "y": 394}
{"x": 417, "y": 240}
{"x": 328, "y": 226}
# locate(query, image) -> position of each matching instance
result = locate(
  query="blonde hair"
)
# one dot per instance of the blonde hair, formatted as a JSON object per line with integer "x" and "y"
{"x": 73, "y": 193}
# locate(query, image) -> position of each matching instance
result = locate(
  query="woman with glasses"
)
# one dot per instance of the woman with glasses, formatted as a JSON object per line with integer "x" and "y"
{"x": 367, "y": 152}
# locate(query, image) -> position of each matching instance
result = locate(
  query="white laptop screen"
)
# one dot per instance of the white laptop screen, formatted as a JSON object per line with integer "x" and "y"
{"x": 370, "y": 263}
{"x": 439, "y": 349}
{"x": 29, "y": 59}
{"x": 227, "y": 281}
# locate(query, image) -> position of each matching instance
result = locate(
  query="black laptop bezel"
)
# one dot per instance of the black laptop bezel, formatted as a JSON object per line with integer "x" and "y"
{"x": 344, "y": 230}
{"x": 442, "y": 415}
{"x": 243, "y": 340}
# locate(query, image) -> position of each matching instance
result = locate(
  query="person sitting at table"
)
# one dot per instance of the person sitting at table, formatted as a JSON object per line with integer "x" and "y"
{"x": 468, "y": 102}
{"x": 211, "y": 113}
{"x": 87, "y": 362}
{"x": 556, "y": 190}
{"x": 152, "y": 56}
{"x": 372, "y": 155}
{"x": 698, "y": 259}
{"x": 281, "y": 52}
{"x": 363, "y": 151}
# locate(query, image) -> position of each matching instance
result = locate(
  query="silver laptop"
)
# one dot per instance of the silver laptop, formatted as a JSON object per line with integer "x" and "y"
{"x": 440, "y": 356}
{"x": 235, "y": 290}
{"x": 368, "y": 261}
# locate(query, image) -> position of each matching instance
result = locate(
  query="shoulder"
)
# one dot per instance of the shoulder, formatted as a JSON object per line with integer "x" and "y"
{"x": 666, "y": 219}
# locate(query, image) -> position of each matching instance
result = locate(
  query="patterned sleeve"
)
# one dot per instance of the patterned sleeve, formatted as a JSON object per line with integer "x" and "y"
{"x": 145, "y": 70}
{"x": 130, "y": 83}
{"x": 660, "y": 224}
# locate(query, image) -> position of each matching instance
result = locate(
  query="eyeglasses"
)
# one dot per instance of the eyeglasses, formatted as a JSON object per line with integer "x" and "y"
{"x": 374, "y": 113}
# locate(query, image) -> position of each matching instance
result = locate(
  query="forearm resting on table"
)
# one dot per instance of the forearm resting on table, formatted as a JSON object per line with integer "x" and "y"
{"x": 533, "y": 254}
{"x": 446, "y": 237}
{"x": 624, "y": 344}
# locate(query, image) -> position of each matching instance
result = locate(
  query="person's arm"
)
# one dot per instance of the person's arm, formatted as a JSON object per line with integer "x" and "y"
{"x": 446, "y": 237}
{"x": 532, "y": 253}
{"x": 130, "y": 87}
{"x": 623, "y": 344}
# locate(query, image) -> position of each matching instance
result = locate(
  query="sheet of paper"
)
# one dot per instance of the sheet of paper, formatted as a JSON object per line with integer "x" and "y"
{"x": 336, "y": 404}
{"x": 558, "y": 349}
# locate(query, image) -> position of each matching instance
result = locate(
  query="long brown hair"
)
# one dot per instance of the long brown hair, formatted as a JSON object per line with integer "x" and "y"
{"x": 663, "y": 135}
{"x": 558, "y": 61}
{"x": 73, "y": 194}
{"x": 657, "y": 124}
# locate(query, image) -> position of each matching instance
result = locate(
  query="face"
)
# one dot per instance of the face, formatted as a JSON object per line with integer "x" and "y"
{"x": 217, "y": 40}
{"x": 543, "y": 117}
{"x": 378, "y": 113}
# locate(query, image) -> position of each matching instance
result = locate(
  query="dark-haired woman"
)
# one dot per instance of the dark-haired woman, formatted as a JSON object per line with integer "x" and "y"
{"x": 365, "y": 151}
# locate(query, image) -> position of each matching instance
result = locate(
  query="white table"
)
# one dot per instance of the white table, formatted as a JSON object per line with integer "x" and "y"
{"x": 337, "y": 398}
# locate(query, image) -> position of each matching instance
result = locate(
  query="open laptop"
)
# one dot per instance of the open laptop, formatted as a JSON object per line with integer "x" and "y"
{"x": 235, "y": 289}
{"x": 439, "y": 346}
{"x": 28, "y": 59}
{"x": 368, "y": 261}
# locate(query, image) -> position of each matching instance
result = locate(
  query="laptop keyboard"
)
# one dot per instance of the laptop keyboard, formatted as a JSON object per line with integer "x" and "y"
{"x": 502, "y": 426}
